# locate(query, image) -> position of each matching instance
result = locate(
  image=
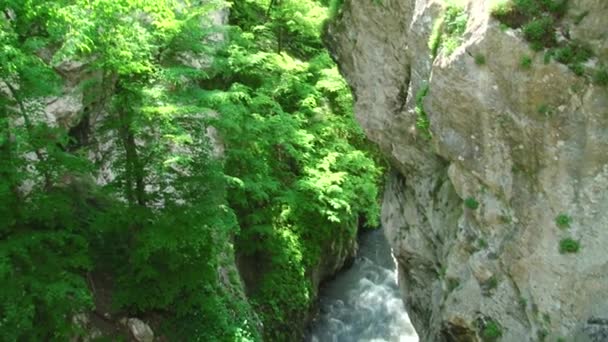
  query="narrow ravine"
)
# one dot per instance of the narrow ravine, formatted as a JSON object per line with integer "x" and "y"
{"x": 363, "y": 304}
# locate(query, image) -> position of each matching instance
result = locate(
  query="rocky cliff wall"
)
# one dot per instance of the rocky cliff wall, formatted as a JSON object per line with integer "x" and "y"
{"x": 496, "y": 213}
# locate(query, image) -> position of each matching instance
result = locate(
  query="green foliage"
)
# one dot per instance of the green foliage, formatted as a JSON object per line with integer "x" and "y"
{"x": 540, "y": 31}
{"x": 492, "y": 331}
{"x": 525, "y": 62}
{"x": 574, "y": 54}
{"x": 480, "y": 59}
{"x": 302, "y": 175}
{"x": 545, "y": 110}
{"x": 563, "y": 221}
{"x": 482, "y": 243}
{"x": 297, "y": 171}
{"x": 601, "y": 77}
{"x": 492, "y": 283}
{"x": 519, "y": 11}
{"x": 160, "y": 247}
{"x": 502, "y": 8}
{"x": 334, "y": 8}
{"x": 523, "y": 302}
{"x": 423, "y": 124}
{"x": 539, "y": 21}
{"x": 471, "y": 203}
{"x": 448, "y": 29}
{"x": 43, "y": 254}
{"x": 39, "y": 270}
{"x": 568, "y": 245}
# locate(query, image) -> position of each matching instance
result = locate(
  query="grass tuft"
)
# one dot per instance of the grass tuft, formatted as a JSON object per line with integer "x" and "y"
{"x": 569, "y": 246}
{"x": 471, "y": 203}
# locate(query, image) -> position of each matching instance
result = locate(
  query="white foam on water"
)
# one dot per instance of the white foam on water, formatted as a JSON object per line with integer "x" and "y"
{"x": 363, "y": 304}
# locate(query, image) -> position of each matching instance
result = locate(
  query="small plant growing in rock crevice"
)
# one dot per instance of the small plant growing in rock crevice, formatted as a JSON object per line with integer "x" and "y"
{"x": 540, "y": 32}
{"x": 526, "y": 62}
{"x": 492, "y": 331}
{"x": 573, "y": 54}
{"x": 480, "y": 59}
{"x": 563, "y": 221}
{"x": 423, "y": 124}
{"x": 523, "y": 302}
{"x": 542, "y": 334}
{"x": 471, "y": 203}
{"x": 492, "y": 283}
{"x": 601, "y": 77}
{"x": 448, "y": 30}
{"x": 545, "y": 110}
{"x": 569, "y": 246}
{"x": 489, "y": 285}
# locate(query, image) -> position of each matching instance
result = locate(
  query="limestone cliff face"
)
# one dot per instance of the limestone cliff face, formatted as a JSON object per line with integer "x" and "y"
{"x": 471, "y": 213}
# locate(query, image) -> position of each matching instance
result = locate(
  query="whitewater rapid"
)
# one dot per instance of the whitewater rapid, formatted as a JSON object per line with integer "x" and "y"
{"x": 362, "y": 304}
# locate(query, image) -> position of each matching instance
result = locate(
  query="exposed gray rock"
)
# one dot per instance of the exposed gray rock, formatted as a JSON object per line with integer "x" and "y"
{"x": 140, "y": 331}
{"x": 523, "y": 145}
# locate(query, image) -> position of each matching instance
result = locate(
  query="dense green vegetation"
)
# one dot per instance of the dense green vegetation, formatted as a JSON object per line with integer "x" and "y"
{"x": 449, "y": 28}
{"x": 540, "y": 22}
{"x": 295, "y": 178}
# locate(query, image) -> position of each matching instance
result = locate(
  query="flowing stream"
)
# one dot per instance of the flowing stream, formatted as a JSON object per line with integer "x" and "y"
{"x": 362, "y": 304}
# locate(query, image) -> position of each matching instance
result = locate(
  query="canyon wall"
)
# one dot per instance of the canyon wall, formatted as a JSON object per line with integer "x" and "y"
{"x": 497, "y": 214}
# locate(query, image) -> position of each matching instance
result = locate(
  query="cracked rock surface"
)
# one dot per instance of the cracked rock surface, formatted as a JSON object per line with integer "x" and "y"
{"x": 472, "y": 212}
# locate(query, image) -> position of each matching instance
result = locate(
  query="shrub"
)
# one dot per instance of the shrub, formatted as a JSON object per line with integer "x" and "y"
{"x": 545, "y": 110}
{"x": 563, "y": 220}
{"x": 491, "y": 331}
{"x": 573, "y": 53}
{"x": 556, "y": 7}
{"x": 569, "y": 245}
{"x": 577, "y": 68}
{"x": 540, "y": 31}
{"x": 529, "y": 7}
{"x": 471, "y": 203}
{"x": 526, "y": 62}
{"x": 601, "y": 77}
{"x": 448, "y": 30}
{"x": 480, "y": 59}
{"x": 502, "y": 8}
{"x": 538, "y": 20}
{"x": 423, "y": 124}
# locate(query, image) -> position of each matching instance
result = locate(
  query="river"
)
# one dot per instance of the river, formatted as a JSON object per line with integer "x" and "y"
{"x": 362, "y": 304}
